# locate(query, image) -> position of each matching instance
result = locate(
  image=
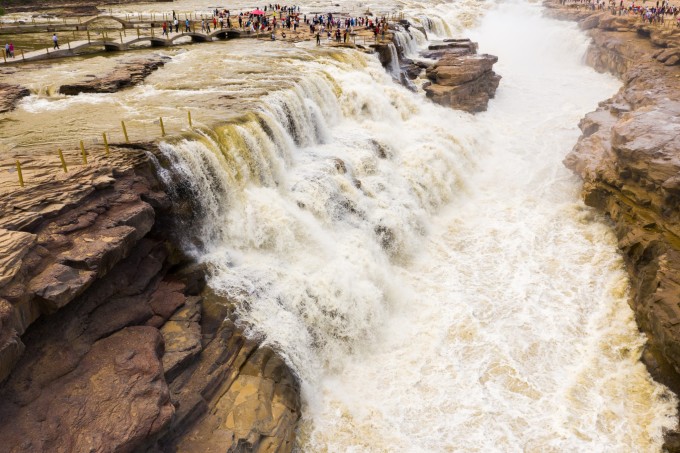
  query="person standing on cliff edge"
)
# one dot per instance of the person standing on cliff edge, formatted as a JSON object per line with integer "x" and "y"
{"x": 54, "y": 40}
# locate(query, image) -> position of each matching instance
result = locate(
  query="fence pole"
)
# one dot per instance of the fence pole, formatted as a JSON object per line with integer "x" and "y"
{"x": 82, "y": 151}
{"x": 21, "y": 175}
{"x": 106, "y": 144}
{"x": 63, "y": 161}
{"x": 189, "y": 114}
{"x": 162, "y": 127}
{"x": 122, "y": 123}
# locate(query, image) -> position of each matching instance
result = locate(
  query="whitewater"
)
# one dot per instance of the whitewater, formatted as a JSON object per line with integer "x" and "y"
{"x": 431, "y": 276}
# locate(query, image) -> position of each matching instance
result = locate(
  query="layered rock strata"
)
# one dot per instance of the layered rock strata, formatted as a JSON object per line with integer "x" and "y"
{"x": 461, "y": 78}
{"x": 629, "y": 158}
{"x": 109, "y": 339}
{"x": 125, "y": 75}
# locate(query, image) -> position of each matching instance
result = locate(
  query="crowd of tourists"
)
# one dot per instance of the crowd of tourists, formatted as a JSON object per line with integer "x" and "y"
{"x": 269, "y": 19}
{"x": 659, "y": 13}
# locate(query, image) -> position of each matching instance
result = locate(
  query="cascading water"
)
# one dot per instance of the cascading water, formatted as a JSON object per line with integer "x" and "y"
{"x": 431, "y": 276}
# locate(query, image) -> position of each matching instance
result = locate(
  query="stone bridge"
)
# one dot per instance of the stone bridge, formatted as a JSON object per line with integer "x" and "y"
{"x": 125, "y": 43}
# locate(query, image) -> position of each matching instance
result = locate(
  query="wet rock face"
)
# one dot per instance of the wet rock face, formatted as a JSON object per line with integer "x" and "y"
{"x": 10, "y": 95}
{"x": 123, "y": 76}
{"x": 461, "y": 79}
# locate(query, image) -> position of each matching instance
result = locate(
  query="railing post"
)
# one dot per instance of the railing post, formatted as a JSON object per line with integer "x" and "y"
{"x": 127, "y": 140}
{"x": 63, "y": 161}
{"x": 106, "y": 144}
{"x": 189, "y": 114}
{"x": 82, "y": 151}
{"x": 162, "y": 127}
{"x": 21, "y": 175}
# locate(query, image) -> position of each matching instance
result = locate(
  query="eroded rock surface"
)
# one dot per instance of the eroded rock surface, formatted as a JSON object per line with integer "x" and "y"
{"x": 461, "y": 79}
{"x": 10, "y": 95}
{"x": 123, "y": 76}
{"x": 109, "y": 340}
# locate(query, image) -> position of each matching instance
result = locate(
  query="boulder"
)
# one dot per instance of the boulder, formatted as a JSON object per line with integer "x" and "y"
{"x": 464, "y": 82}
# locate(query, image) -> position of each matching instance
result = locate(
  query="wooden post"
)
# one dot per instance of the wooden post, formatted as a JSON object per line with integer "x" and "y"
{"x": 106, "y": 144}
{"x": 63, "y": 161}
{"x": 138, "y": 33}
{"x": 189, "y": 114}
{"x": 22, "y": 55}
{"x": 122, "y": 123}
{"x": 121, "y": 37}
{"x": 4, "y": 55}
{"x": 68, "y": 43}
{"x": 88, "y": 36}
{"x": 162, "y": 127}
{"x": 82, "y": 151}
{"x": 21, "y": 175}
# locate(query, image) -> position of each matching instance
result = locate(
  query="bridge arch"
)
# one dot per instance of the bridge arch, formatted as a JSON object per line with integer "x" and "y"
{"x": 124, "y": 23}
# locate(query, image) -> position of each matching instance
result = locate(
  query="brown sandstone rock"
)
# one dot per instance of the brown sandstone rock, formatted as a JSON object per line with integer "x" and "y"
{"x": 10, "y": 95}
{"x": 113, "y": 399}
{"x": 125, "y": 75}
{"x": 465, "y": 82}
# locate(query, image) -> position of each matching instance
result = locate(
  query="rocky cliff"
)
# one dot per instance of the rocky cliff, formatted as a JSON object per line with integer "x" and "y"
{"x": 629, "y": 158}
{"x": 461, "y": 78}
{"x": 109, "y": 339}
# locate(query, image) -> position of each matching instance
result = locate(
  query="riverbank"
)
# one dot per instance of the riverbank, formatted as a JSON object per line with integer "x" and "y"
{"x": 629, "y": 158}
{"x": 107, "y": 326}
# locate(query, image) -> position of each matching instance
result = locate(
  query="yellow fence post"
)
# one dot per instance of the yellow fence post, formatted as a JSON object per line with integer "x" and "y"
{"x": 63, "y": 161}
{"x": 162, "y": 127}
{"x": 122, "y": 123}
{"x": 82, "y": 151}
{"x": 4, "y": 55}
{"x": 189, "y": 114}
{"x": 21, "y": 175}
{"x": 88, "y": 36}
{"x": 138, "y": 33}
{"x": 106, "y": 144}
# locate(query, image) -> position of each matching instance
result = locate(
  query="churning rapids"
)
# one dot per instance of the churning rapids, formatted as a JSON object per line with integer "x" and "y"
{"x": 432, "y": 277}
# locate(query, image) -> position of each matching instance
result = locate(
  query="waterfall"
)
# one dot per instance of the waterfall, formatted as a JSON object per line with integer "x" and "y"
{"x": 303, "y": 206}
{"x": 406, "y": 42}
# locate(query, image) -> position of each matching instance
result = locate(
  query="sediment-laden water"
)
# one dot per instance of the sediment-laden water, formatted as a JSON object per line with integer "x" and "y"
{"x": 431, "y": 276}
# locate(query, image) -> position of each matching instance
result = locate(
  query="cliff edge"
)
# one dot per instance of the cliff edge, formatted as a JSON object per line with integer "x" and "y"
{"x": 109, "y": 338}
{"x": 629, "y": 158}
